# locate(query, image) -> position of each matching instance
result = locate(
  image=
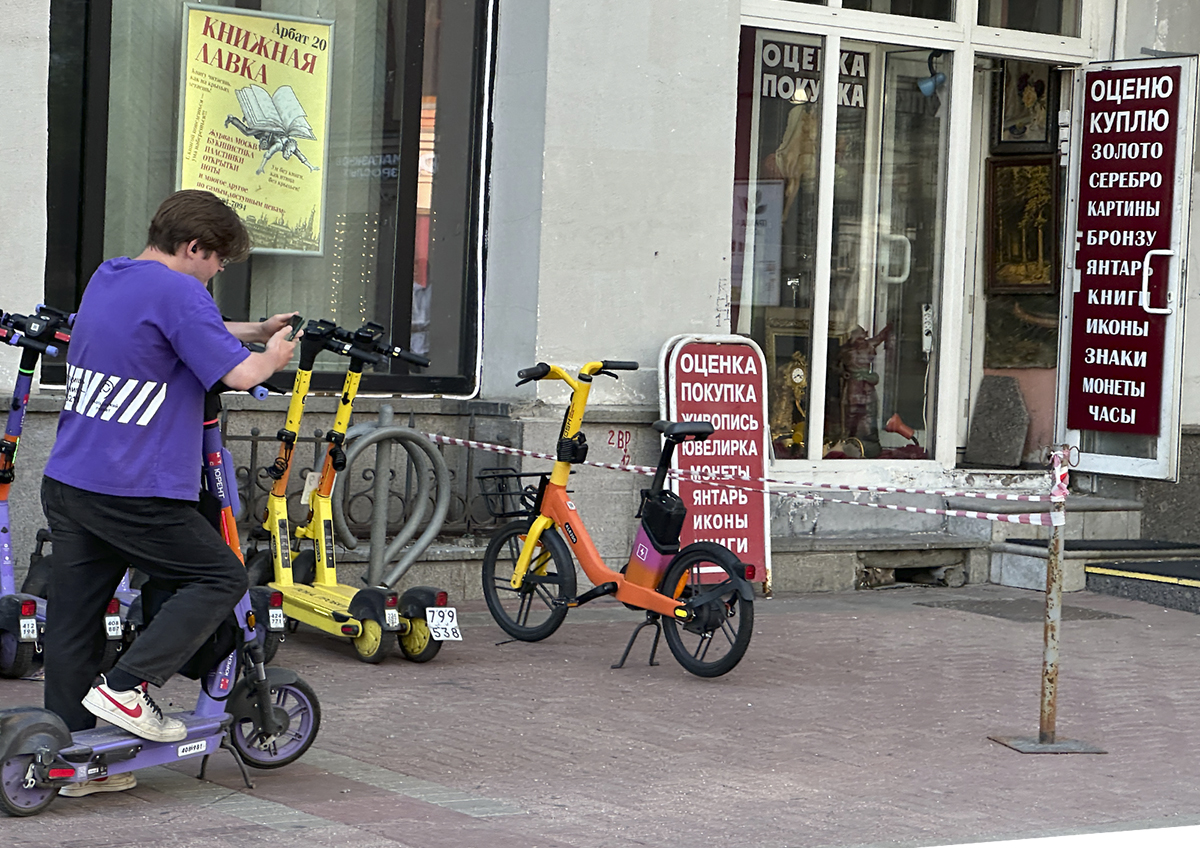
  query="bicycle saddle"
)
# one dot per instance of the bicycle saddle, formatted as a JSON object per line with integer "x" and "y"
{"x": 679, "y": 430}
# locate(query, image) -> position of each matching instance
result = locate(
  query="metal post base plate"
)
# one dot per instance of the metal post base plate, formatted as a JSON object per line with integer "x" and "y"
{"x": 1031, "y": 745}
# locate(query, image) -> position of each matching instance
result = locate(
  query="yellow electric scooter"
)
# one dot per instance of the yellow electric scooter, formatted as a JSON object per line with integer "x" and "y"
{"x": 308, "y": 579}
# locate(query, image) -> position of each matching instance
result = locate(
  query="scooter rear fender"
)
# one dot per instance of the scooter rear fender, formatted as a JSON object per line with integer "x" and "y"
{"x": 242, "y": 704}
{"x": 26, "y": 730}
{"x": 369, "y": 604}
{"x": 10, "y": 611}
{"x": 416, "y": 600}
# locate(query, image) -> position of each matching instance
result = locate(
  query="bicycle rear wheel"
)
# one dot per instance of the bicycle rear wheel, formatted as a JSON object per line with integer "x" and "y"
{"x": 534, "y": 611}
{"x": 713, "y": 642}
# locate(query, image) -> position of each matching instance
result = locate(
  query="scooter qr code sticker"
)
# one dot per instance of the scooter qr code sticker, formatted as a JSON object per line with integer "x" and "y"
{"x": 310, "y": 485}
{"x": 112, "y": 626}
{"x": 443, "y": 624}
{"x": 29, "y": 628}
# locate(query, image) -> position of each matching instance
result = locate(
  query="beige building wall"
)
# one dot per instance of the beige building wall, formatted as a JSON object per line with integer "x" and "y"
{"x": 25, "y": 48}
{"x": 635, "y": 105}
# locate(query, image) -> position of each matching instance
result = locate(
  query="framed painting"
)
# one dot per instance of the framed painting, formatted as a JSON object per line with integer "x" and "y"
{"x": 1024, "y": 108}
{"x": 1022, "y": 224}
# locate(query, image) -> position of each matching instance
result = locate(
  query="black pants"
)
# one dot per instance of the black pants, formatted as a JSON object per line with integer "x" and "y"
{"x": 96, "y": 537}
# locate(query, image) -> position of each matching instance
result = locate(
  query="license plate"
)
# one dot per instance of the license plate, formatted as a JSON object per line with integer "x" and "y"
{"x": 28, "y": 629}
{"x": 392, "y": 617}
{"x": 275, "y": 619}
{"x": 112, "y": 626}
{"x": 443, "y": 624}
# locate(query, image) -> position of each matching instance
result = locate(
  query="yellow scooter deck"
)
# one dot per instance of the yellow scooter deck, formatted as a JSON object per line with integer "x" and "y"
{"x": 315, "y": 605}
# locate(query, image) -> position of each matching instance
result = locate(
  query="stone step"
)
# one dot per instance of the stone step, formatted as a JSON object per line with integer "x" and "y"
{"x": 1021, "y": 563}
{"x": 1172, "y": 583}
{"x": 843, "y": 562}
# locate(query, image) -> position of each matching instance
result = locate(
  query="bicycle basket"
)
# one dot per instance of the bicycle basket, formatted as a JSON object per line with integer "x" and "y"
{"x": 506, "y": 494}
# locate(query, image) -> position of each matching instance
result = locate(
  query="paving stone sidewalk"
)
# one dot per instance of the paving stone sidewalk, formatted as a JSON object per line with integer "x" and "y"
{"x": 856, "y": 719}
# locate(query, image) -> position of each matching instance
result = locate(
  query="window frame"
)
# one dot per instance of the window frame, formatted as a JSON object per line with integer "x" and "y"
{"x": 78, "y": 104}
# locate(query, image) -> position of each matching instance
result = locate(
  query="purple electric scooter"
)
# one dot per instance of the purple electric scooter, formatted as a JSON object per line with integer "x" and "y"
{"x": 265, "y": 717}
{"x": 23, "y": 614}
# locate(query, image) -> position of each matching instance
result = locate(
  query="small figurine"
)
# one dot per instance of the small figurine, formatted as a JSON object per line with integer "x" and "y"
{"x": 860, "y": 403}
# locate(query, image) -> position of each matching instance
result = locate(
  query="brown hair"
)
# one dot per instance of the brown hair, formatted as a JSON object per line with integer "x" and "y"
{"x": 199, "y": 215}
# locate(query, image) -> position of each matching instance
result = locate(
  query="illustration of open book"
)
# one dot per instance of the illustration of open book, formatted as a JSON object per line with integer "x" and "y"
{"x": 275, "y": 120}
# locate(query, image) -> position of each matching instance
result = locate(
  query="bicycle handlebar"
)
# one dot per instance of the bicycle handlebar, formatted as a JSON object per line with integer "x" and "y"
{"x": 406, "y": 355}
{"x": 40, "y": 331}
{"x": 364, "y": 344}
{"x": 258, "y": 392}
{"x": 542, "y": 369}
{"x": 13, "y": 337}
{"x": 368, "y": 356}
{"x": 537, "y": 372}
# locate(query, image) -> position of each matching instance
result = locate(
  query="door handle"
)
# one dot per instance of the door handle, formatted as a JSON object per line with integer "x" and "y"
{"x": 886, "y": 258}
{"x": 1146, "y": 272}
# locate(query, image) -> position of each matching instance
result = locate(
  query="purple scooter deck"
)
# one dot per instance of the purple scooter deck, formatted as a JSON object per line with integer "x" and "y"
{"x": 111, "y": 750}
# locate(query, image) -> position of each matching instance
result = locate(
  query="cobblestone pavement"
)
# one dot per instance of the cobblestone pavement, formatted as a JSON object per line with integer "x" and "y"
{"x": 856, "y": 719}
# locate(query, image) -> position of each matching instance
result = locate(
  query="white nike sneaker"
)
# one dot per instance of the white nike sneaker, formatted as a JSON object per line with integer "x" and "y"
{"x": 113, "y": 783}
{"x": 133, "y": 710}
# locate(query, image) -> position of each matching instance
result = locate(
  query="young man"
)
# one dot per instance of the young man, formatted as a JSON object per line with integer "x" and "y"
{"x": 123, "y": 477}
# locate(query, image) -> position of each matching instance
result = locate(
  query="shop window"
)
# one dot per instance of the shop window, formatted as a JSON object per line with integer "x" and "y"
{"x": 1057, "y": 17}
{"x": 1022, "y": 224}
{"x": 869, "y": 320}
{"x": 938, "y": 10}
{"x": 389, "y": 229}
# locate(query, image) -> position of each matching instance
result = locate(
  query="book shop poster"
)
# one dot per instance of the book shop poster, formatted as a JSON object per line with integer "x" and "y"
{"x": 254, "y": 120}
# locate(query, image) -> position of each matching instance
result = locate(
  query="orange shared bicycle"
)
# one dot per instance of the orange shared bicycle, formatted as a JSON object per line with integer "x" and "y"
{"x": 700, "y": 598}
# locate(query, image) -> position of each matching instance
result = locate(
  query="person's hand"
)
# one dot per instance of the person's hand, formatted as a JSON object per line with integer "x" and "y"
{"x": 275, "y": 323}
{"x": 279, "y": 348}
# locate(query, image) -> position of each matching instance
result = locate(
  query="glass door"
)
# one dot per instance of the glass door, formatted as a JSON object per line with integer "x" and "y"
{"x": 909, "y": 245}
{"x": 1133, "y": 144}
{"x": 888, "y": 219}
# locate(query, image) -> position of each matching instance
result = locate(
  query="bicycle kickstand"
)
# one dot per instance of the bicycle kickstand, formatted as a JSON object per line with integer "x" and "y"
{"x": 652, "y": 620}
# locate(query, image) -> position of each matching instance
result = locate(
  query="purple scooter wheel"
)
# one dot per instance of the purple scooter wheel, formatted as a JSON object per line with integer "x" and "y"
{"x": 298, "y": 711}
{"x": 18, "y": 798}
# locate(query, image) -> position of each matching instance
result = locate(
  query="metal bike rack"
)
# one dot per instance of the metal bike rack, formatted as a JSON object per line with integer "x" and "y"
{"x": 425, "y": 457}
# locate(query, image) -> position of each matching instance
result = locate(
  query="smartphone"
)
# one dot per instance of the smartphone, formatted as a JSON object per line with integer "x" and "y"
{"x": 297, "y": 320}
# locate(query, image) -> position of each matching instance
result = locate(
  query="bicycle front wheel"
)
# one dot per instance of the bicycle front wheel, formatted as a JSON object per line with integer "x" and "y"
{"x": 713, "y": 642}
{"x": 534, "y": 611}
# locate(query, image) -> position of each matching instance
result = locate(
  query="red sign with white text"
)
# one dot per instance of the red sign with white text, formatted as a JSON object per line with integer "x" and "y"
{"x": 725, "y": 384}
{"x": 1126, "y": 207}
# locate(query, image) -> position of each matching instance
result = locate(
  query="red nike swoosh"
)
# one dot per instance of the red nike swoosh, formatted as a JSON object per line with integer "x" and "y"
{"x": 131, "y": 713}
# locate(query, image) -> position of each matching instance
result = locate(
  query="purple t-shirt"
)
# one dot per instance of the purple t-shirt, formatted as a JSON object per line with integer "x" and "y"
{"x": 146, "y": 346}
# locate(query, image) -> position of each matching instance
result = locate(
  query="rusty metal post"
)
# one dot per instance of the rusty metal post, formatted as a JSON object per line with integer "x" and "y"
{"x": 1054, "y": 585}
{"x": 1047, "y": 741}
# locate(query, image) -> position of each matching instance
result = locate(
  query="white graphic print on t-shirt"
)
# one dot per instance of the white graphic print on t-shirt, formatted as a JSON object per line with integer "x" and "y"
{"x": 88, "y": 393}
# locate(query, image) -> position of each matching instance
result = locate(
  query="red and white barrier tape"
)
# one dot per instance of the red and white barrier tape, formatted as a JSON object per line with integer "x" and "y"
{"x": 1044, "y": 519}
{"x": 1061, "y": 460}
